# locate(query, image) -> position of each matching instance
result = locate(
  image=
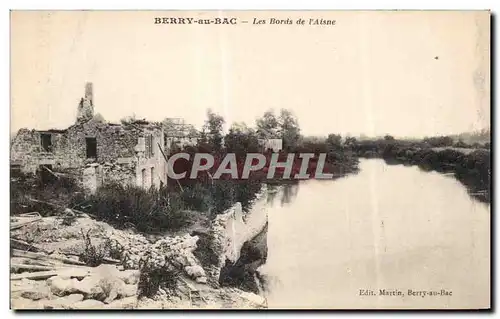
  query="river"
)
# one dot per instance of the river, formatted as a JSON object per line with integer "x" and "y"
{"x": 389, "y": 227}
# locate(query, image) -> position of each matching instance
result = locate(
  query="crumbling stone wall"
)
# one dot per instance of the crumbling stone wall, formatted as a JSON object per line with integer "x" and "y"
{"x": 180, "y": 142}
{"x": 231, "y": 229}
{"x": 95, "y": 175}
{"x": 27, "y": 150}
{"x": 151, "y": 169}
{"x": 116, "y": 144}
{"x": 113, "y": 141}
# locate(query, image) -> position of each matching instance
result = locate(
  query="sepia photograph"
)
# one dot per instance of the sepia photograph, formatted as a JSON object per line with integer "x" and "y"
{"x": 262, "y": 160}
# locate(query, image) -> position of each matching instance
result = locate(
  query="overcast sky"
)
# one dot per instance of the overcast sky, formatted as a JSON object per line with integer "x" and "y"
{"x": 403, "y": 73}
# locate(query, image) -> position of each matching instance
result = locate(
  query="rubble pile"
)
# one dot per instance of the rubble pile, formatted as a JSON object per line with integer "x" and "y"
{"x": 175, "y": 253}
{"x": 48, "y": 272}
{"x": 134, "y": 249}
{"x": 77, "y": 288}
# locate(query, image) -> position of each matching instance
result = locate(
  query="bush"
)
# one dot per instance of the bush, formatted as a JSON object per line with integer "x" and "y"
{"x": 29, "y": 194}
{"x": 246, "y": 192}
{"x": 147, "y": 210}
{"x": 196, "y": 197}
{"x": 152, "y": 279}
{"x": 114, "y": 249}
{"x": 223, "y": 196}
{"x": 92, "y": 255}
{"x": 204, "y": 251}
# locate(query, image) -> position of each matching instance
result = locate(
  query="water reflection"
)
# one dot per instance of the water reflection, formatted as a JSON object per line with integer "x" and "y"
{"x": 476, "y": 181}
{"x": 286, "y": 193}
{"x": 388, "y": 227}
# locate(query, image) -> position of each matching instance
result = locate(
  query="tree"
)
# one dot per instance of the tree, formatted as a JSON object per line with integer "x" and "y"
{"x": 202, "y": 143}
{"x": 350, "y": 141}
{"x": 334, "y": 141}
{"x": 388, "y": 138}
{"x": 461, "y": 144}
{"x": 439, "y": 141}
{"x": 213, "y": 129}
{"x": 289, "y": 129}
{"x": 267, "y": 125}
{"x": 241, "y": 140}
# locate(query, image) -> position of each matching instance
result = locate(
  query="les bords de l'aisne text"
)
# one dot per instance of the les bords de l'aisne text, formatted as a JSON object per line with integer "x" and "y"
{"x": 235, "y": 21}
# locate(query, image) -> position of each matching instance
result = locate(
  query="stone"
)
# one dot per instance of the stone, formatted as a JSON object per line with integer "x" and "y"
{"x": 128, "y": 291}
{"x": 256, "y": 299}
{"x": 130, "y": 276}
{"x": 201, "y": 280}
{"x": 106, "y": 270}
{"x": 29, "y": 289}
{"x": 89, "y": 286}
{"x": 180, "y": 260}
{"x": 195, "y": 271}
{"x": 105, "y": 285}
{"x": 125, "y": 303}
{"x": 112, "y": 287}
{"x": 35, "y": 294}
{"x": 78, "y": 273}
{"x": 191, "y": 260}
{"x": 63, "y": 302}
{"x": 61, "y": 287}
{"x": 88, "y": 304}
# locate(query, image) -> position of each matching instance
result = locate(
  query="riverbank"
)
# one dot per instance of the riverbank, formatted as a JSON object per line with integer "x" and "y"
{"x": 472, "y": 167}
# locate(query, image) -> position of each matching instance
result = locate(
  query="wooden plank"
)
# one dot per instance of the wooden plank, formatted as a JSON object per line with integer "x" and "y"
{"x": 72, "y": 272}
{"x": 35, "y": 275}
{"x": 25, "y": 246}
{"x": 30, "y": 267}
{"x": 50, "y": 171}
{"x": 110, "y": 260}
{"x": 20, "y": 253}
{"x": 79, "y": 212}
{"x": 35, "y": 262}
{"x": 17, "y": 225}
{"x": 32, "y": 214}
{"x": 104, "y": 259}
{"x": 22, "y": 245}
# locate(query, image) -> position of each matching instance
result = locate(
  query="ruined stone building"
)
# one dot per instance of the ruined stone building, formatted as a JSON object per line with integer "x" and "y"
{"x": 178, "y": 134}
{"x": 96, "y": 151}
{"x": 274, "y": 144}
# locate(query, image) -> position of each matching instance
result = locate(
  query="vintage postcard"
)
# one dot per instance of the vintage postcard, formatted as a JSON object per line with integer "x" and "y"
{"x": 250, "y": 160}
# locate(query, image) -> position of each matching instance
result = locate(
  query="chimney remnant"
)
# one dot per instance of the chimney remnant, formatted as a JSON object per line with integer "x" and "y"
{"x": 89, "y": 93}
{"x": 86, "y": 105}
